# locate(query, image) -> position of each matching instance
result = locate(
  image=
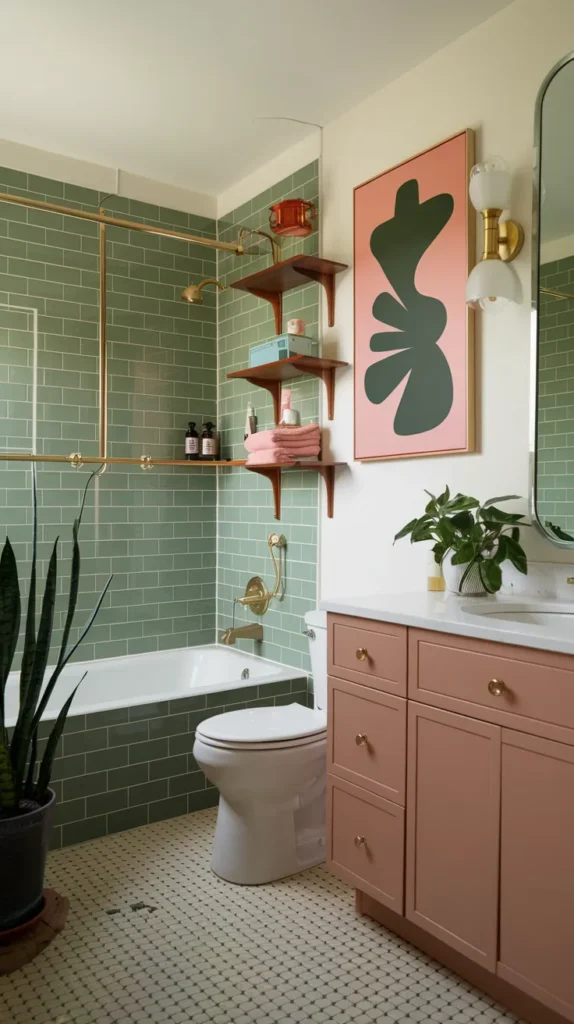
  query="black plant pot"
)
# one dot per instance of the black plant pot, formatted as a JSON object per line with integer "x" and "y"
{"x": 23, "y": 848}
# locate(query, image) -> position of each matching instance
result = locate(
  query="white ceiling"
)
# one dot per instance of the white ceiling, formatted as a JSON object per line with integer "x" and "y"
{"x": 172, "y": 89}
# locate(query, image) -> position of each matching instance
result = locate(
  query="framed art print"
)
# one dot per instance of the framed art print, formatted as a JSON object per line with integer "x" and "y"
{"x": 414, "y": 353}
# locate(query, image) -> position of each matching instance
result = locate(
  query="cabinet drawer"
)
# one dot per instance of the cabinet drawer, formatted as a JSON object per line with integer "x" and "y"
{"x": 372, "y": 653}
{"x": 451, "y": 672}
{"x": 365, "y": 841}
{"x": 367, "y": 738}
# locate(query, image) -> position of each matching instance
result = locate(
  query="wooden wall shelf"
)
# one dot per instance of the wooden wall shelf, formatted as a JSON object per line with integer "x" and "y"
{"x": 274, "y": 472}
{"x": 271, "y": 375}
{"x": 269, "y": 284}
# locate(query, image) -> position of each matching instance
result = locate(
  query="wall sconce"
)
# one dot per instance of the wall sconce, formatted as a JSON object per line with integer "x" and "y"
{"x": 491, "y": 283}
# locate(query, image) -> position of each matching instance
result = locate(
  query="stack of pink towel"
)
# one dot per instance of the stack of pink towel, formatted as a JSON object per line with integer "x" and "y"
{"x": 283, "y": 445}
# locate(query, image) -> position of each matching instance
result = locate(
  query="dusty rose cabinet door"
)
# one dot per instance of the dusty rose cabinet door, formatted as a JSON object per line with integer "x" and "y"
{"x": 537, "y": 869}
{"x": 453, "y": 805}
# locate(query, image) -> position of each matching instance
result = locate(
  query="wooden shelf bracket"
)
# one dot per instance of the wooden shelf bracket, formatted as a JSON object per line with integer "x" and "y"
{"x": 276, "y": 300}
{"x": 274, "y": 474}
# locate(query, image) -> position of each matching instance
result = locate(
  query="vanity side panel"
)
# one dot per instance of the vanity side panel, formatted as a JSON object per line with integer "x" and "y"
{"x": 537, "y": 859}
{"x": 452, "y": 844}
{"x": 453, "y": 672}
{"x": 367, "y": 652}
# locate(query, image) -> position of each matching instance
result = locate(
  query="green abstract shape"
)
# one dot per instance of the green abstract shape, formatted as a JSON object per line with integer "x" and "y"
{"x": 418, "y": 320}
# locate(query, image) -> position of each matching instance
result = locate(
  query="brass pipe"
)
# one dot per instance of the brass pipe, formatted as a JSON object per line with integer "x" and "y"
{"x": 103, "y": 218}
{"x": 556, "y": 294}
{"x": 103, "y": 381}
{"x": 115, "y": 460}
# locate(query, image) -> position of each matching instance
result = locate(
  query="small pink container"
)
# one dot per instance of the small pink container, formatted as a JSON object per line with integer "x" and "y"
{"x": 295, "y": 327}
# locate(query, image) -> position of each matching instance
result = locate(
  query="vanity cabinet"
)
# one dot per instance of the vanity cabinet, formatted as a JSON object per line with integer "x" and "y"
{"x": 537, "y": 869}
{"x": 453, "y": 822}
{"x": 451, "y": 802}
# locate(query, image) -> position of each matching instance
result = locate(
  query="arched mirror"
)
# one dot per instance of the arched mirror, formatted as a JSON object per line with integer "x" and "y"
{"x": 553, "y": 308}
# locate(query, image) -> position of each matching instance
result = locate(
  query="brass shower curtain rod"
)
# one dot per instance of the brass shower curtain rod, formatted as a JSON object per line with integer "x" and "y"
{"x": 103, "y": 218}
{"x": 75, "y": 458}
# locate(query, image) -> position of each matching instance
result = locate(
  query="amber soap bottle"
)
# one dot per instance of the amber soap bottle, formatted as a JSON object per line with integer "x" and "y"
{"x": 191, "y": 442}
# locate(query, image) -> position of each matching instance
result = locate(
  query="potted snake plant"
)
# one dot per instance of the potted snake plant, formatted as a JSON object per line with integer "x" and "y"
{"x": 26, "y": 800}
{"x": 471, "y": 541}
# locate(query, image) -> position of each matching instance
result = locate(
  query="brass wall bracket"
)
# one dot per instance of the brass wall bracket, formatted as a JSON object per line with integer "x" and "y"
{"x": 510, "y": 240}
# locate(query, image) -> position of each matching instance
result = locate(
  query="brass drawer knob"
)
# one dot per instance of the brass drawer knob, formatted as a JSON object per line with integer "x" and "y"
{"x": 362, "y": 654}
{"x": 360, "y": 842}
{"x": 496, "y": 687}
{"x": 361, "y": 739}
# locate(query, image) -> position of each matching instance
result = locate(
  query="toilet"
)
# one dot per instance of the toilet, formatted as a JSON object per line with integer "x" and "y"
{"x": 269, "y": 765}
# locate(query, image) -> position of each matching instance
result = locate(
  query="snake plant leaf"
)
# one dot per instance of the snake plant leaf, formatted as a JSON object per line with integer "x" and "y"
{"x": 74, "y": 573}
{"x": 30, "y": 629}
{"x": 7, "y": 789}
{"x": 29, "y": 787}
{"x": 45, "y": 773}
{"x": 10, "y": 615}
{"x": 61, "y": 666}
{"x": 24, "y": 726}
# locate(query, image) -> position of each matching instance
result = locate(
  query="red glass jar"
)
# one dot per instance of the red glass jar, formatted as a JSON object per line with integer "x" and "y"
{"x": 292, "y": 217}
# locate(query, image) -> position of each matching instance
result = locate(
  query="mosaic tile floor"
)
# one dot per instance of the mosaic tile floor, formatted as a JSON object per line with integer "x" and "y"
{"x": 154, "y": 936}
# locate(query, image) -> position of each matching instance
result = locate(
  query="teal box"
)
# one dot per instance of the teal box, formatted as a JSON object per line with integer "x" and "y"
{"x": 282, "y": 347}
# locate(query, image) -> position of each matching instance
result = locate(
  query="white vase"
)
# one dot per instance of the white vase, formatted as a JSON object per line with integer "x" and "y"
{"x": 472, "y": 585}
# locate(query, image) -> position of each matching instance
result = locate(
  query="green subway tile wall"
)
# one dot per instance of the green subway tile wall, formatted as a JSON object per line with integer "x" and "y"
{"x": 155, "y": 531}
{"x": 167, "y": 535}
{"x": 556, "y": 398}
{"x": 245, "y": 507}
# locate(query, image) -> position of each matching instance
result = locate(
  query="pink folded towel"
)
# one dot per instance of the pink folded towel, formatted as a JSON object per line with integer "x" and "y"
{"x": 284, "y": 437}
{"x": 270, "y": 456}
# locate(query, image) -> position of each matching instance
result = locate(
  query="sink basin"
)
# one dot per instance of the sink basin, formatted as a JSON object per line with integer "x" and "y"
{"x": 558, "y": 617}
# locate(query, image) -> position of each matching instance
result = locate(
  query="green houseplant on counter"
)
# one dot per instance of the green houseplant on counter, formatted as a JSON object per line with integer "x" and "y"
{"x": 471, "y": 541}
{"x": 26, "y": 800}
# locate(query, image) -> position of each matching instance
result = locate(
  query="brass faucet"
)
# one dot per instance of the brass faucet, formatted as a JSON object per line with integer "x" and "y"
{"x": 254, "y": 631}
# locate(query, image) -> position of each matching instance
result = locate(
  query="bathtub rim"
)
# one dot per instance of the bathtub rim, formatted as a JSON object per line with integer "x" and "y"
{"x": 283, "y": 673}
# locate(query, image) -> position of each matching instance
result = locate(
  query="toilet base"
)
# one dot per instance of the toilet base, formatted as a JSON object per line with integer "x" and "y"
{"x": 252, "y": 847}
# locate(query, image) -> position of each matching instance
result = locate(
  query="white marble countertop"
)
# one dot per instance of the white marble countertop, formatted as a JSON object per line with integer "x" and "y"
{"x": 509, "y": 620}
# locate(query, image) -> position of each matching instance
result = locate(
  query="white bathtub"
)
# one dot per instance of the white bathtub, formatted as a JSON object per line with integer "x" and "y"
{"x": 145, "y": 678}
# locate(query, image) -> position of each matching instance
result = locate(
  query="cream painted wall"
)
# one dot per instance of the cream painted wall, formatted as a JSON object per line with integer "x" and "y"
{"x": 104, "y": 179}
{"x": 488, "y": 81}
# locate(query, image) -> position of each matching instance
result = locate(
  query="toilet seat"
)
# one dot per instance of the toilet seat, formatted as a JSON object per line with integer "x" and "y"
{"x": 269, "y": 728}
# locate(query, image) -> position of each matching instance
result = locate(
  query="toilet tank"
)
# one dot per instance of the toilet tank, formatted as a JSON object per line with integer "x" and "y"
{"x": 316, "y": 631}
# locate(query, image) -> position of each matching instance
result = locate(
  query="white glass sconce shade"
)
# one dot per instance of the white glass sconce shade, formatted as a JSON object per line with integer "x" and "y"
{"x": 490, "y": 185}
{"x": 491, "y": 285}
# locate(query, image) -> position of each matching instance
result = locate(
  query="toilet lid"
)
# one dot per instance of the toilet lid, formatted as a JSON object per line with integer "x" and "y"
{"x": 263, "y": 725}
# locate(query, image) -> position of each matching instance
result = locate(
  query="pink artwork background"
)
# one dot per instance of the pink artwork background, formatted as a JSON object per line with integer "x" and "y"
{"x": 442, "y": 273}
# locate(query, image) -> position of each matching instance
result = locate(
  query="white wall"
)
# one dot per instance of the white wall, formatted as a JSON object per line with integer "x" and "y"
{"x": 105, "y": 179}
{"x": 488, "y": 81}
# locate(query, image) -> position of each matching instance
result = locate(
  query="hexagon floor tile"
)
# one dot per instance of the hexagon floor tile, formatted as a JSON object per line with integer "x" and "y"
{"x": 154, "y": 936}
